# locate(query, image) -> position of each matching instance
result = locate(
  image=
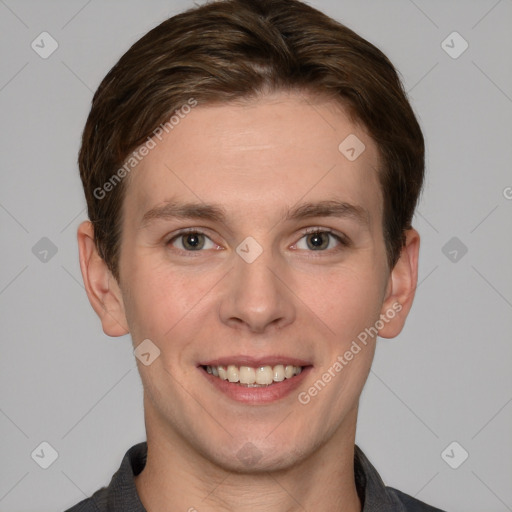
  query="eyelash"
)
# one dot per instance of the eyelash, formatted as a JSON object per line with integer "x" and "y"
{"x": 341, "y": 239}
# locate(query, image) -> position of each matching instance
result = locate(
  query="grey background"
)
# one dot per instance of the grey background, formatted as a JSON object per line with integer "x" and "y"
{"x": 446, "y": 378}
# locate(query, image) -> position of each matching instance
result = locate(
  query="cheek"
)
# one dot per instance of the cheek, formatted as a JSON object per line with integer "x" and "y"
{"x": 161, "y": 302}
{"x": 346, "y": 301}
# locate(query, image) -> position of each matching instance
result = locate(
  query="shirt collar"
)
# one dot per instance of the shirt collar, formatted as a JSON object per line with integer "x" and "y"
{"x": 372, "y": 492}
{"x": 371, "y": 489}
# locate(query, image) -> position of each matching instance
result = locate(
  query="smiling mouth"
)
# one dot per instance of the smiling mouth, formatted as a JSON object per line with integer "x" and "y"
{"x": 250, "y": 377}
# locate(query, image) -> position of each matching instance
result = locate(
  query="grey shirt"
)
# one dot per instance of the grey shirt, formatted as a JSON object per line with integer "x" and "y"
{"x": 121, "y": 494}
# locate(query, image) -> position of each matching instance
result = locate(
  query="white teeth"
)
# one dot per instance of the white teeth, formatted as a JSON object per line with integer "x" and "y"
{"x": 278, "y": 373}
{"x": 233, "y": 373}
{"x": 264, "y": 375}
{"x": 223, "y": 374}
{"x": 289, "y": 371}
{"x": 247, "y": 375}
{"x": 253, "y": 377}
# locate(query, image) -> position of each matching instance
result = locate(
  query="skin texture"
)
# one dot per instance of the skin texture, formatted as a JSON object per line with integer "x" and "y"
{"x": 256, "y": 160}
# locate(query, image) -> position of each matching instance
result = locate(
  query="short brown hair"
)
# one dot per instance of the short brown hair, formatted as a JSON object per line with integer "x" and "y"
{"x": 236, "y": 49}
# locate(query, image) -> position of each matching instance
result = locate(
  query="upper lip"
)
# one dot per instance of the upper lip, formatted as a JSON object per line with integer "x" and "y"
{"x": 255, "y": 362}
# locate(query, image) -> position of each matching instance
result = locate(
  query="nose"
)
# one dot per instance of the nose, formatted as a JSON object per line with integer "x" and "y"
{"x": 256, "y": 297}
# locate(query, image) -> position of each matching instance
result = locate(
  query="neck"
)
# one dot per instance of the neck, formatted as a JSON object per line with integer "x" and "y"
{"x": 176, "y": 474}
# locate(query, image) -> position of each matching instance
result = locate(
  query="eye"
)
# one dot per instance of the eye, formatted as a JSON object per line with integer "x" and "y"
{"x": 320, "y": 240}
{"x": 192, "y": 240}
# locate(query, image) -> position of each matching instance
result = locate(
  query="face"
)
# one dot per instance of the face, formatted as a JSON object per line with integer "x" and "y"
{"x": 251, "y": 243}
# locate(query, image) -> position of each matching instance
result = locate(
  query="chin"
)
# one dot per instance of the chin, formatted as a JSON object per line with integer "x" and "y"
{"x": 257, "y": 456}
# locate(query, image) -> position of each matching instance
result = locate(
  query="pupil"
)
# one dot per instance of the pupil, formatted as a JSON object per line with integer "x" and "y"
{"x": 316, "y": 240}
{"x": 193, "y": 240}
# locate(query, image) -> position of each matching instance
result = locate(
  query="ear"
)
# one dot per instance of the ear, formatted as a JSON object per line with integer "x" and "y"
{"x": 102, "y": 288}
{"x": 401, "y": 287}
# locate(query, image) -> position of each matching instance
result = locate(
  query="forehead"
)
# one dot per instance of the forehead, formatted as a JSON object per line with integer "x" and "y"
{"x": 268, "y": 153}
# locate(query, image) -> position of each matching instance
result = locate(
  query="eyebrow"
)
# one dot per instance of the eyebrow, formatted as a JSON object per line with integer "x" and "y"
{"x": 327, "y": 208}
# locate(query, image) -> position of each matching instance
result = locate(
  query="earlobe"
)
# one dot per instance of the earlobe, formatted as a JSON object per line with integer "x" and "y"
{"x": 401, "y": 287}
{"x": 102, "y": 288}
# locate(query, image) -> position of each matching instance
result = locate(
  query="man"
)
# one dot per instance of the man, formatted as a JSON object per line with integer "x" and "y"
{"x": 251, "y": 169}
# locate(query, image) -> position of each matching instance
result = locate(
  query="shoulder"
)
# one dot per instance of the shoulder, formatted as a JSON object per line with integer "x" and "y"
{"x": 376, "y": 496}
{"x": 121, "y": 493}
{"x": 96, "y": 503}
{"x": 409, "y": 503}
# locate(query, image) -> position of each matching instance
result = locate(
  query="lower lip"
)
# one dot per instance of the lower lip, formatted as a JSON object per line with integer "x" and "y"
{"x": 259, "y": 395}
